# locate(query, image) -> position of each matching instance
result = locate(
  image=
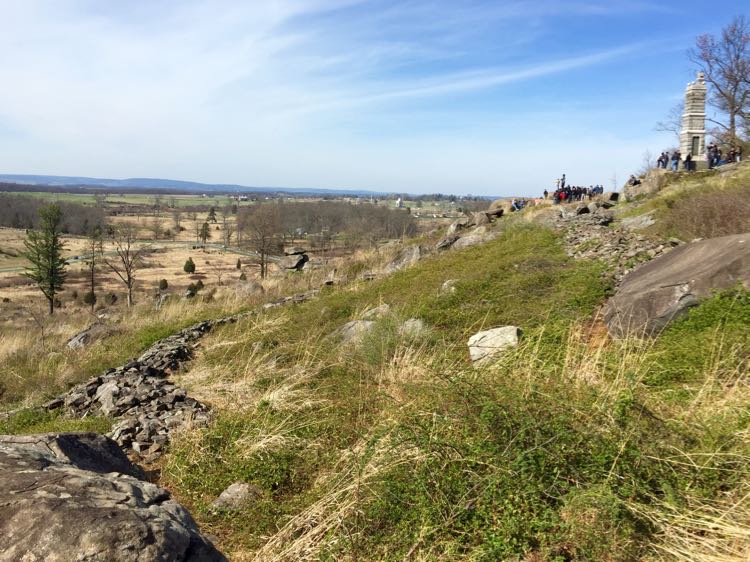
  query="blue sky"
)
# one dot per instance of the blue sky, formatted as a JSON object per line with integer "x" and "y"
{"x": 482, "y": 97}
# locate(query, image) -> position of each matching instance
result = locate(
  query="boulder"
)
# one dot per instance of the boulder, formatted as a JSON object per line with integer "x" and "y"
{"x": 237, "y": 496}
{"x": 293, "y": 262}
{"x": 406, "y": 257}
{"x": 446, "y": 242}
{"x": 448, "y": 287}
{"x": 412, "y": 328}
{"x": 377, "y": 312}
{"x": 468, "y": 241}
{"x": 354, "y": 331}
{"x": 665, "y": 288}
{"x": 294, "y": 251}
{"x": 77, "y": 497}
{"x": 639, "y": 222}
{"x": 458, "y": 225}
{"x": 654, "y": 181}
{"x": 480, "y": 218}
{"x": 248, "y": 287}
{"x": 487, "y": 344}
{"x": 97, "y": 331}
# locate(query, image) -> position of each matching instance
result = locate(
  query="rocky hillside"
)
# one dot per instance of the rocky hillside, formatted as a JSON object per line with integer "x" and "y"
{"x": 564, "y": 383}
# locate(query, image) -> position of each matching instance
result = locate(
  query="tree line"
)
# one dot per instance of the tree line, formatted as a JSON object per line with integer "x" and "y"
{"x": 19, "y": 211}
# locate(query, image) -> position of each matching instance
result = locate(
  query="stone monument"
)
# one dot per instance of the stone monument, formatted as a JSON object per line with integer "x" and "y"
{"x": 693, "y": 132}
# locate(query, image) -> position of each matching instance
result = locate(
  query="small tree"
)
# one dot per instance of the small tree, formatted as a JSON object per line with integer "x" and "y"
{"x": 263, "y": 225}
{"x": 163, "y": 285}
{"x": 95, "y": 251}
{"x": 205, "y": 233}
{"x": 129, "y": 257}
{"x": 211, "y": 215}
{"x": 44, "y": 248}
{"x": 189, "y": 266}
{"x": 239, "y": 264}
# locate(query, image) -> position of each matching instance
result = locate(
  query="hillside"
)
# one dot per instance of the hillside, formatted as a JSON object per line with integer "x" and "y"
{"x": 358, "y": 428}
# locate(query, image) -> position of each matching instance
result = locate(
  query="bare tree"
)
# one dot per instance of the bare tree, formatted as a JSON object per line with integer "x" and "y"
{"x": 262, "y": 223}
{"x": 673, "y": 121}
{"x": 155, "y": 228}
{"x": 176, "y": 219}
{"x": 725, "y": 63}
{"x": 217, "y": 268}
{"x": 129, "y": 258}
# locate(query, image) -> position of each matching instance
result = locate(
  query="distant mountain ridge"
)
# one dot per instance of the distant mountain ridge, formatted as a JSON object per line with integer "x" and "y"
{"x": 157, "y": 183}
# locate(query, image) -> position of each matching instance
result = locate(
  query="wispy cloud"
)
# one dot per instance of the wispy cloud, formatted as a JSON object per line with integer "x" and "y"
{"x": 237, "y": 91}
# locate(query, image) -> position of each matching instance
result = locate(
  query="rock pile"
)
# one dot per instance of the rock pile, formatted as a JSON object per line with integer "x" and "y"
{"x": 78, "y": 497}
{"x": 591, "y": 236}
{"x": 139, "y": 392}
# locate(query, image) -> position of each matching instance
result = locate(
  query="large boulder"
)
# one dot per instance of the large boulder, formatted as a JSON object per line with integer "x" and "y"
{"x": 355, "y": 331}
{"x": 406, "y": 257}
{"x": 663, "y": 289}
{"x": 468, "y": 241}
{"x": 294, "y": 262}
{"x": 654, "y": 181}
{"x": 97, "y": 331}
{"x": 77, "y": 497}
{"x": 483, "y": 346}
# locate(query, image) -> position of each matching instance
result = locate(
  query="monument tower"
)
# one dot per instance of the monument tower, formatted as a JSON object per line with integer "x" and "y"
{"x": 693, "y": 133}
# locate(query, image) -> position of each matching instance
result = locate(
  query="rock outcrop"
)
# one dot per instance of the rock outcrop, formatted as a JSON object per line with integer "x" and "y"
{"x": 406, "y": 257}
{"x": 77, "y": 497}
{"x": 658, "y": 292}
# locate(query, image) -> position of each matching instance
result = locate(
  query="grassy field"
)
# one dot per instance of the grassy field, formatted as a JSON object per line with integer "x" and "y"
{"x": 572, "y": 446}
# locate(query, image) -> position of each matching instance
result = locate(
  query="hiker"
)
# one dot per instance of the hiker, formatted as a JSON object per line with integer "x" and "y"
{"x": 675, "y": 160}
{"x": 688, "y": 163}
{"x": 546, "y": 193}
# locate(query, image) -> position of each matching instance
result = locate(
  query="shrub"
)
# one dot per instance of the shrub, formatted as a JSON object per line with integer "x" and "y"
{"x": 111, "y": 298}
{"x": 89, "y": 298}
{"x": 163, "y": 285}
{"x": 243, "y": 277}
{"x": 239, "y": 264}
{"x": 189, "y": 266}
{"x": 199, "y": 284}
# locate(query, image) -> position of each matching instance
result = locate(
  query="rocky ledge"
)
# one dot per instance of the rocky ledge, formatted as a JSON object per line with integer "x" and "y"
{"x": 78, "y": 497}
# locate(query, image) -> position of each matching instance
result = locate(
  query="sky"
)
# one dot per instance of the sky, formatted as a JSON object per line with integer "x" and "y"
{"x": 419, "y": 96}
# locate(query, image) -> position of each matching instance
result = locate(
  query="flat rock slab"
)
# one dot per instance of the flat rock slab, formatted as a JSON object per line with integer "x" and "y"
{"x": 660, "y": 291}
{"x": 77, "y": 497}
{"x": 487, "y": 344}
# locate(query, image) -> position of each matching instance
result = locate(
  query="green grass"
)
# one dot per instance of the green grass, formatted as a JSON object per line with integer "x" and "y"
{"x": 35, "y": 420}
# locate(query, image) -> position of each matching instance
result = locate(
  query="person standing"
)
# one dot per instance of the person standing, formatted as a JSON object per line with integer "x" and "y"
{"x": 675, "y": 160}
{"x": 688, "y": 163}
{"x": 562, "y": 182}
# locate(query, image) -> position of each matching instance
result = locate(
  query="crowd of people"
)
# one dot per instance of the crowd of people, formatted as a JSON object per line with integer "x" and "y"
{"x": 715, "y": 156}
{"x": 565, "y": 193}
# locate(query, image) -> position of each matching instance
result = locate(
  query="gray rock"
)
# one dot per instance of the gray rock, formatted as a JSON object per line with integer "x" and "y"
{"x": 446, "y": 242}
{"x": 294, "y": 251}
{"x": 582, "y": 209}
{"x": 77, "y": 497}
{"x": 237, "y": 496}
{"x": 458, "y": 225}
{"x": 468, "y": 241}
{"x": 485, "y": 345}
{"x": 93, "y": 333}
{"x": 406, "y": 257}
{"x": 448, "y": 287}
{"x": 412, "y": 328}
{"x": 354, "y": 331}
{"x": 377, "y": 312}
{"x": 665, "y": 288}
{"x": 639, "y": 222}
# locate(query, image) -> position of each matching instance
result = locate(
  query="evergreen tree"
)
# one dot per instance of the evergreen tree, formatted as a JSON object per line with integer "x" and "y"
{"x": 205, "y": 233}
{"x": 189, "y": 266}
{"x": 211, "y": 215}
{"x": 44, "y": 248}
